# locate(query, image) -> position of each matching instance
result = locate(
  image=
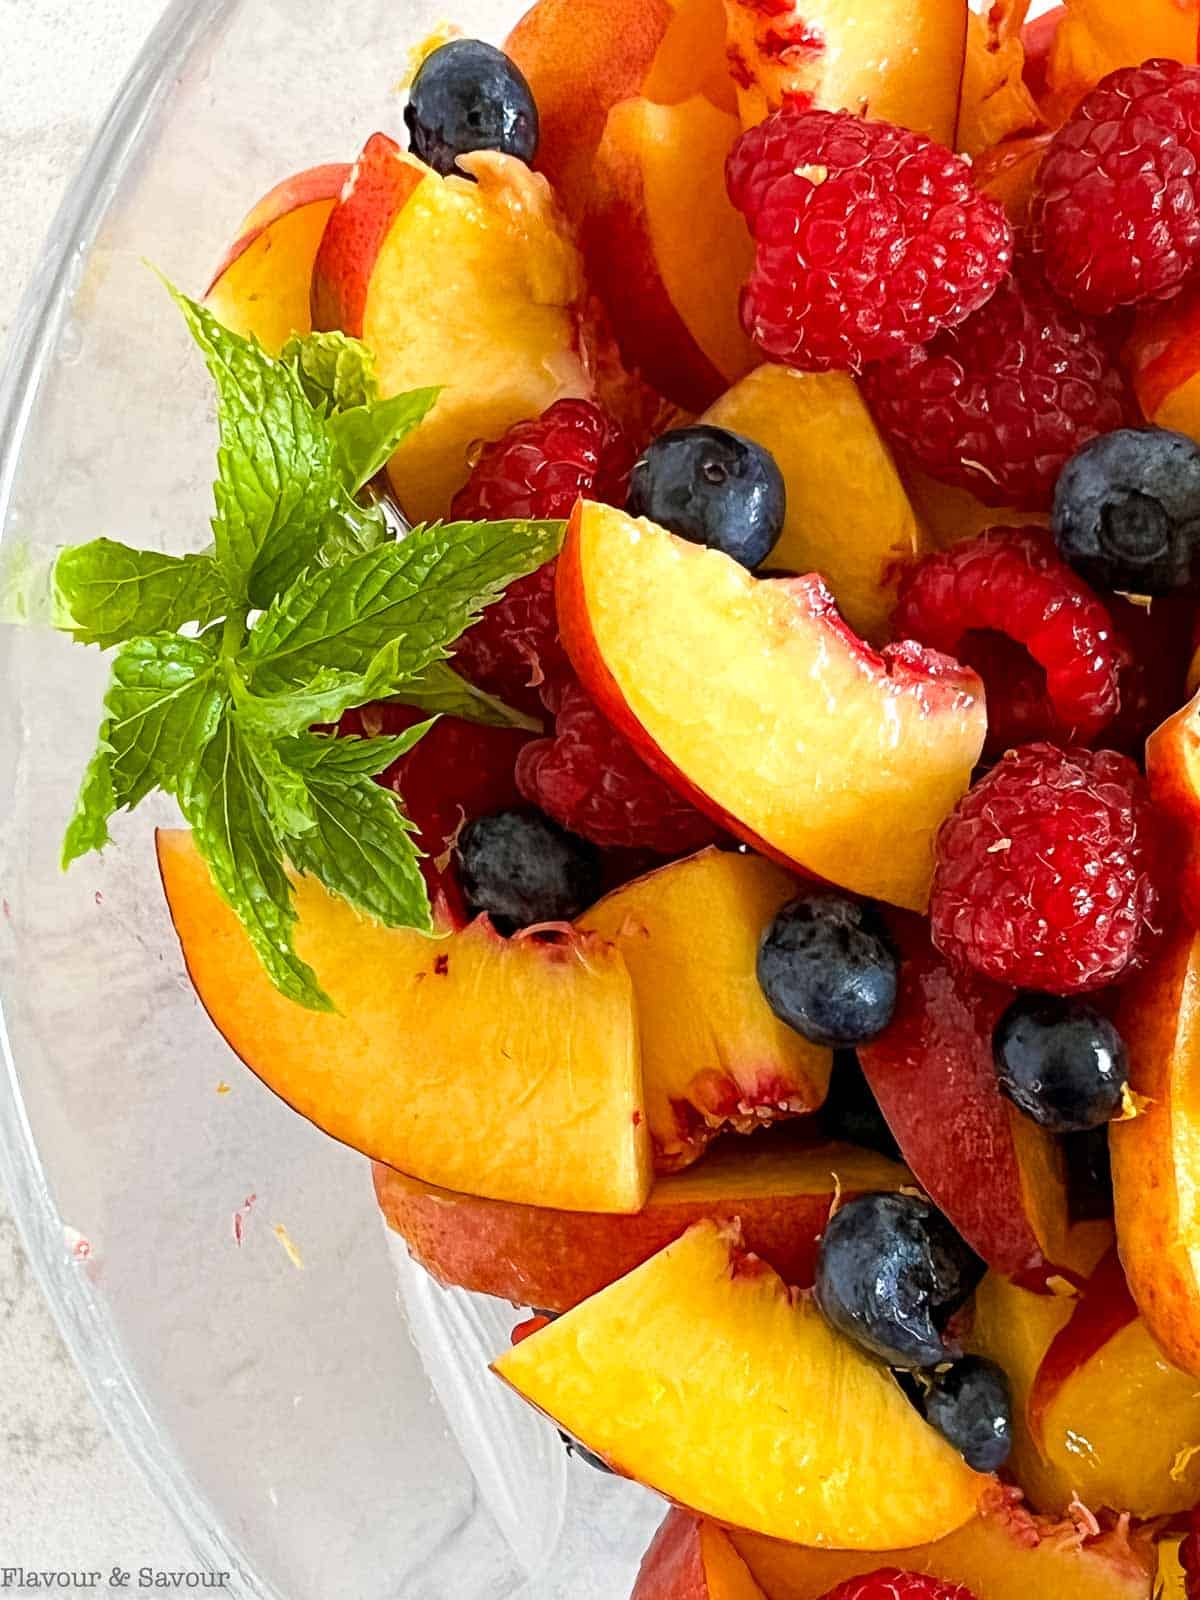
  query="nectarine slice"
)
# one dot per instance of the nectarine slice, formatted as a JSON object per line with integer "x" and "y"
{"x": 757, "y": 701}
{"x": 702, "y": 1376}
{"x": 950, "y": 515}
{"x": 898, "y": 60}
{"x": 1006, "y": 1555}
{"x": 996, "y": 102}
{"x": 691, "y": 58}
{"x": 1098, "y": 36}
{"x": 1008, "y": 172}
{"x": 714, "y": 1054}
{"x": 1156, "y": 1154}
{"x": 264, "y": 285}
{"x": 1086, "y": 1376}
{"x": 1163, "y": 356}
{"x": 504, "y": 1067}
{"x": 691, "y": 1559}
{"x": 580, "y": 58}
{"x": 999, "y": 1177}
{"x": 780, "y": 1191}
{"x": 656, "y": 210}
{"x": 470, "y": 285}
{"x": 848, "y": 514}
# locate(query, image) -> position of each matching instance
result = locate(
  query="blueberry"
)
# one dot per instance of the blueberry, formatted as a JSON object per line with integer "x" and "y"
{"x": 1127, "y": 511}
{"x": 851, "y": 1112}
{"x": 1061, "y": 1062}
{"x": 713, "y": 487}
{"x": 891, "y": 1272}
{"x": 827, "y": 969}
{"x": 521, "y": 868}
{"x": 468, "y": 96}
{"x": 970, "y": 1404}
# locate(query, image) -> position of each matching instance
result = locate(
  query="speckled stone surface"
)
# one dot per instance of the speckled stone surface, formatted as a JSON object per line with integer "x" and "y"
{"x": 69, "y": 1498}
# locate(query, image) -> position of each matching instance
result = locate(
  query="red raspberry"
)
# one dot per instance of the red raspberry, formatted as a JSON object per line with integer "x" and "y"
{"x": 895, "y": 244}
{"x": 1011, "y": 581}
{"x": 1117, "y": 205}
{"x": 892, "y": 1584}
{"x": 590, "y": 779}
{"x": 1001, "y": 403}
{"x": 538, "y": 469}
{"x": 1049, "y": 872}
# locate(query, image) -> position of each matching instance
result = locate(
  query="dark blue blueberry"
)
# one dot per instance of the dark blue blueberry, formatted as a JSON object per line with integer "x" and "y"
{"x": 970, "y": 1404}
{"x": 468, "y": 96}
{"x": 851, "y": 1111}
{"x": 1061, "y": 1062}
{"x": 713, "y": 487}
{"x": 891, "y": 1272}
{"x": 1127, "y": 511}
{"x": 827, "y": 969}
{"x": 521, "y": 868}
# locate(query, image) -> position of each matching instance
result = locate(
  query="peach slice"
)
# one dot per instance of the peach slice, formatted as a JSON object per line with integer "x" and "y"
{"x": 581, "y": 57}
{"x": 999, "y": 1177}
{"x": 714, "y": 1054}
{"x": 1006, "y": 1555}
{"x": 1009, "y": 170}
{"x": 656, "y": 208}
{"x": 1173, "y": 768}
{"x": 690, "y": 1559}
{"x": 898, "y": 60}
{"x": 1163, "y": 357}
{"x": 756, "y": 700}
{"x": 475, "y": 286}
{"x": 996, "y": 102}
{"x": 781, "y": 1191}
{"x": 818, "y": 428}
{"x": 1086, "y": 1375}
{"x": 1095, "y": 37}
{"x": 951, "y": 515}
{"x": 1154, "y": 1153}
{"x": 264, "y": 284}
{"x": 703, "y": 1377}
{"x": 506, "y": 1067}
{"x": 691, "y": 58}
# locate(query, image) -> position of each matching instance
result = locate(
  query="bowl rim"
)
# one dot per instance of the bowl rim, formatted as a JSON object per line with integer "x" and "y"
{"x": 82, "y": 1318}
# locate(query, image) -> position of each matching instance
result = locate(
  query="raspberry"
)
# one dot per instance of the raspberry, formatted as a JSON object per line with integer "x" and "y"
{"x": 1011, "y": 581}
{"x": 1049, "y": 872}
{"x": 538, "y": 469}
{"x": 1001, "y": 403}
{"x": 589, "y": 778}
{"x": 895, "y": 244}
{"x": 889, "y": 1583}
{"x": 1117, "y": 204}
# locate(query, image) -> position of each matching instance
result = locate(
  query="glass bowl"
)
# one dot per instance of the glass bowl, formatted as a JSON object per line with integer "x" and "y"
{"x": 314, "y": 1436}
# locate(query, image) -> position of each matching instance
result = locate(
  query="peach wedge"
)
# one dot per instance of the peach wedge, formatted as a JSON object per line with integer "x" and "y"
{"x": 470, "y": 285}
{"x": 264, "y": 285}
{"x": 818, "y": 428}
{"x": 899, "y": 60}
{"x": 703, "y": 1377}
{"x": 691, "y": 1559}
{"x": 713, "y": 1052}
{"x": 503, "y": 1067}
{"x": 756, "y": 700}
{"x": 780, "y": 1191}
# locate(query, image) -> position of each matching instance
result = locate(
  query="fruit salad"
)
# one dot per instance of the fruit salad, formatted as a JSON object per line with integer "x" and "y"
{"x": 681, "y": 727}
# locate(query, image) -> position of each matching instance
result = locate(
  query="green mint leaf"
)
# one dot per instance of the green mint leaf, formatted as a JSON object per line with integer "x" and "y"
{"x": 410, "y": 600}
{"x": 106, "y": 593}
{"x": 337, "y": 372}
{"x": 439, "y": 688}
{"x": 324, "y": 698}
{"x": 162, "y": 709}
{"x": 353, "y": 758}
{"x": 362, "y": 847}
{"x": 366, "y": 436}
{"x": 281, "y": 497}
{"x": 284, "y": 792}
{"x": 229, "y": 813}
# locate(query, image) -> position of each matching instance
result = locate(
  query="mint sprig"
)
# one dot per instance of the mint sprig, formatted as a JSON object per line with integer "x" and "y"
{"x": 306, "y": 606}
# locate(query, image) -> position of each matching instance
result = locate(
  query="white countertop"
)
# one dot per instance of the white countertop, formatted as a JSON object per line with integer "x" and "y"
{"x": 69, "y": 1498}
